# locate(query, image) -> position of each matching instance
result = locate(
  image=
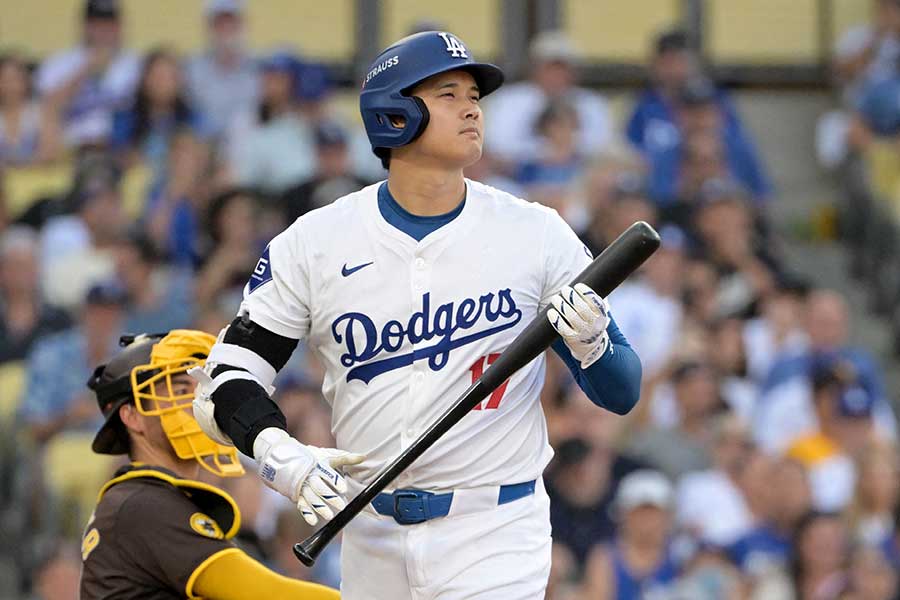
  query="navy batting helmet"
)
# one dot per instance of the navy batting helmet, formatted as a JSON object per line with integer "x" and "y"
{"x": 385, "y": 91}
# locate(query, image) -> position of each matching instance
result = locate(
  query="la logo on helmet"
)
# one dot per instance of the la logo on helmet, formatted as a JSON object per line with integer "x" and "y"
{"x": 454, "y": 46}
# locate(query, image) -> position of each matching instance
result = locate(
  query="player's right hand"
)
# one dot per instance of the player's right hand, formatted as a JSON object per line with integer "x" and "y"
{"x": 307, "y": 475}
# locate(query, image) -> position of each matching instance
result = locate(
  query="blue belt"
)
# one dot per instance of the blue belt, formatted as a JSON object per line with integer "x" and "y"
{"x": 409, "y": 507}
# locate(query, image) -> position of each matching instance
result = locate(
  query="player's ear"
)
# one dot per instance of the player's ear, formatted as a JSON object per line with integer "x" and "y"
{"x": 397, "y": 121}
{"x": 130, "y": 417}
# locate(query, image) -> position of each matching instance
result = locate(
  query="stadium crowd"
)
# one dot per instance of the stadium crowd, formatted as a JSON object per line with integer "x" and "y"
{"x": 761, "y": 461}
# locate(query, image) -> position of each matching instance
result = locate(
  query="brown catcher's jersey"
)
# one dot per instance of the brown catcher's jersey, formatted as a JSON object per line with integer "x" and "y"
{"x": 150, "y": 533}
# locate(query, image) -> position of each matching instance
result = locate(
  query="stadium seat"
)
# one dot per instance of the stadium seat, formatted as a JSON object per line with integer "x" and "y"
{"x": 74, "y": 474}
{"x": 12, "y": 378}
{"x": 26, "y": 185}
{"x": 883, "y": 164}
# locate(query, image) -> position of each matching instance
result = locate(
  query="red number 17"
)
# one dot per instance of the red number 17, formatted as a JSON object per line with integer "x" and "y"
{"x": 477, "y": 370}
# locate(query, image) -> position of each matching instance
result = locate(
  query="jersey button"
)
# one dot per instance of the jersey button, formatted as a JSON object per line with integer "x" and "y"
{"x": 420, "y": 377}
{"x": 420, "y": 263}
{"x": 410, "y": 432}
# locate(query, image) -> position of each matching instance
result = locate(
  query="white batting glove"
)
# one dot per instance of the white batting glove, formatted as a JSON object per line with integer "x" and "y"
{"x": 580, "y": 316}
{"x": 305, "y": 474}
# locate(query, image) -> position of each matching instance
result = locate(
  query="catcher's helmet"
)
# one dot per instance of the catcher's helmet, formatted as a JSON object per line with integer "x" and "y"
{"x": 133, "y": 376}
{"x": 385, "y": 90}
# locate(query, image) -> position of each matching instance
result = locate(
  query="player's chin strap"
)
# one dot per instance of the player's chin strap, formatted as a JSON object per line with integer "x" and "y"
{"x": 248, "y": 367}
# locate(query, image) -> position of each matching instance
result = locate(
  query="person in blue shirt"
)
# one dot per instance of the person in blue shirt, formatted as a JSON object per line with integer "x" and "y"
{"x": 159, "y": 110}
{"x": 697, "y": 113}
{"x": 639, "y": 561}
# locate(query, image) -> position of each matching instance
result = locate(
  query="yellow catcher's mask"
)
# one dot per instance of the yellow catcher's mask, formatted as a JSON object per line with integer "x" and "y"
{"x": 156, "y": 395}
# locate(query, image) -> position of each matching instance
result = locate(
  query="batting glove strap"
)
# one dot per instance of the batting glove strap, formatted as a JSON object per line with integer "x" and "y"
{"x": 580, "y": 316}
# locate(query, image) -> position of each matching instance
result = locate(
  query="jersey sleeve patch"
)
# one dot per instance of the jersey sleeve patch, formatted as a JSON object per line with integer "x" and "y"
{"x": 261, "y": 273}
{"x": 206, "y": 527}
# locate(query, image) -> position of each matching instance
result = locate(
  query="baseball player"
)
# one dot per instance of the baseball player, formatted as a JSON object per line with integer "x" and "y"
{"x": 406, "y": 291}
{"x": 157, "y": 532}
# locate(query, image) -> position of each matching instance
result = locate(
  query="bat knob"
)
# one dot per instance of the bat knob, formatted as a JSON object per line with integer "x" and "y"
{"x": 303, "y": 556}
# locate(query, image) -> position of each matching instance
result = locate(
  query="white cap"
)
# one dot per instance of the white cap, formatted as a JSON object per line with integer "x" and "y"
{"x": 644, "y": 488}
{"x": 218, "y": 7}
{"x": 553, "y": 46}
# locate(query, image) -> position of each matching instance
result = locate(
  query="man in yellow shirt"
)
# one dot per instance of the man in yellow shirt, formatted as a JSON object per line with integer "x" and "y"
{"x": 844, "y": 414}
{"x": 157, "y": 532}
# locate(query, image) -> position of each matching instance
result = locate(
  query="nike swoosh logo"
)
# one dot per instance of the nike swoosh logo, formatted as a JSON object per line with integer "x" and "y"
{"x": 347, "y": 272}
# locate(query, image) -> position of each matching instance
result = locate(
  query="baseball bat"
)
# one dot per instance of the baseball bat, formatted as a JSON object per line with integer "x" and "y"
{"x": 603, "y": 275}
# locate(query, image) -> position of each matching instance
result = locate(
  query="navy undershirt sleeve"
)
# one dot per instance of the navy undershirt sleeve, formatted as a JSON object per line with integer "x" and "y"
{"x": 613, "y": 382}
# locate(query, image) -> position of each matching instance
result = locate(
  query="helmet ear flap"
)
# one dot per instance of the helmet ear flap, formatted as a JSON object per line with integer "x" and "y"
{"x": 423, "y": 122}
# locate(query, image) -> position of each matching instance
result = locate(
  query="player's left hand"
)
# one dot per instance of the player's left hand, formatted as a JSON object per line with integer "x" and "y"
{"x": 580, "y": 316}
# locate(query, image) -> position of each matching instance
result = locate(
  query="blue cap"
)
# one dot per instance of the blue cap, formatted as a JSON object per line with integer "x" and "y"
{"x": 880, "y": 107}
{"x": 107, "y": 293}
{"x": 313, "y": 81}
{"x": 282, "y": 61}
{"x": 855, "y": 402}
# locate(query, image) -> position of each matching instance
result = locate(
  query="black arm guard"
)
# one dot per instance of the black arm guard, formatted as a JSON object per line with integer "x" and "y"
{"x": 243, "y": 407}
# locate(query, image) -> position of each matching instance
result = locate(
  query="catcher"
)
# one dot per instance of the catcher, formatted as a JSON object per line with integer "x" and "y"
{"x": 157, "y": 532}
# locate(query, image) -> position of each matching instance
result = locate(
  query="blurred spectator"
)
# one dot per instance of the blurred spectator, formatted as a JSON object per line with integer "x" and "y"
{"x": 698, "y": 112}
{"x": 728, "y": 356}
{"x": 785, "y": 407}
{"x": 171, "y": 213}
{"x": 871, "y": 515}
{"x": 778, "y": 492}
{"x": 223, "y": 81}
{"x": 601, "y": 184}
{"x": 639, "y": 562}
{"x": 726, "y": 239}
{"x": 76, "y": 247}
{"x": 679, "y": 103}
{"x": 581, "y": 484}
{"x": 563, "y": 581}
{"x": 160, "y": 298}
{"x": 820, "y": 557}
{"x": 58, "y": 575}
{"x": 145, "y": 129}
{"x": 512, "y": 112}
{"x": 648, "y": 307}
{"x": 868, "y": 53}
{"x": 548, "y": 176}
{"x": 777, "y": 331}
{"x": 891, "y": 545}
{"x": 843, "y": 412}
{"x": 227, "y": 265}
{"x": 710, "y": 504}
{"x": 91, "y": 81}
{"x": 29, "y": 130}
{"x": 703, "y": 161}
{"x": 333, "y": 178}
{"x": 708, "y": 576}
{"x": 627, "y": 202}
{"x": 674, "y": 61}
{"x": 871, "y": 576}
{"x": 24, "y": 317}
{"x": 273, "y": 148}
{"x": 313, "y": 88}
{"x": 55, "y": 395}
{"x": 685, "y": 445}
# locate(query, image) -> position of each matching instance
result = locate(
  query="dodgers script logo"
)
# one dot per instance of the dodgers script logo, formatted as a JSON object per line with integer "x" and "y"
{"x": 364, "y": 341}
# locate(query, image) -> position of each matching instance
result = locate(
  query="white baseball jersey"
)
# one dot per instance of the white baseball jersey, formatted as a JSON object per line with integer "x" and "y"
{"x": 403, "y": 328}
